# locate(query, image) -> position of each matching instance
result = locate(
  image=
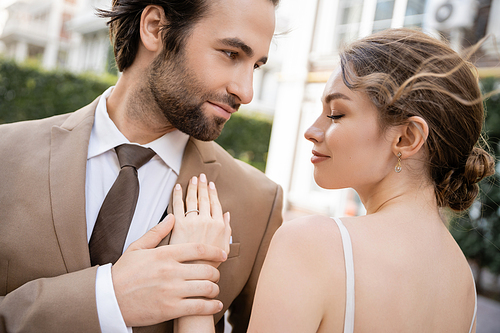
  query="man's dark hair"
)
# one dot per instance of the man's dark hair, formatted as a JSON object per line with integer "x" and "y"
{"x": 125, "y": 16}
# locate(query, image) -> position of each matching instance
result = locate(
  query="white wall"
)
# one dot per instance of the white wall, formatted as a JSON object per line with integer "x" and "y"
{"x": 295, "y": 46}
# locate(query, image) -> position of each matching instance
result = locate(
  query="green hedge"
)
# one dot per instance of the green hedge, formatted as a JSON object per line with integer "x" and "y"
{"x": 246, "y": 137}
{"x": 28, "y": 92}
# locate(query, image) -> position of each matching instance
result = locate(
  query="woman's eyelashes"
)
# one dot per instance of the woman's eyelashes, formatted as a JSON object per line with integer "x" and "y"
{"x": 335, "y": 116}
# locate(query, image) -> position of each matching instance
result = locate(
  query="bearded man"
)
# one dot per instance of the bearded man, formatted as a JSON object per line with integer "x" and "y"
{"x": 186, "y": 67}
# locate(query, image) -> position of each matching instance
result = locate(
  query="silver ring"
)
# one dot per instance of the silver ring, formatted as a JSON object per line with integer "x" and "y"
{"x": 190, "y": 211}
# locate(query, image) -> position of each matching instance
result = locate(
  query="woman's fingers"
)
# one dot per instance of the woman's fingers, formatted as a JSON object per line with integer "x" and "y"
{"x": 177, "y": 203}
{"x": 201, "y": 196}
{"x": 192, "y": 196}
{"x": 197, "y": 197}
{"x": 203, "y": 201}
{"x": 215, "y": 206}
{"x": 210, "y": 226}
{"x": 227, "y": 231}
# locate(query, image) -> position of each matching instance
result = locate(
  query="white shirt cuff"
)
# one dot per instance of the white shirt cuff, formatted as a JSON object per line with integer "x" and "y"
{"x": 110, "y": 316}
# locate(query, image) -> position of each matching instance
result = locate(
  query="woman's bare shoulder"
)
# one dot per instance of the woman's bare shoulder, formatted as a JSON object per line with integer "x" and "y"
{"x": 307, "y": 227}
{"x": 300, "y": 278}
{"x": 304, "y": 269}
{"x": 311, "y": 238}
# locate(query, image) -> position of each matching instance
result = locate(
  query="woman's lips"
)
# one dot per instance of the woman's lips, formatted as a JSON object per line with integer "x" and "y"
{"x": 318, "y": 157}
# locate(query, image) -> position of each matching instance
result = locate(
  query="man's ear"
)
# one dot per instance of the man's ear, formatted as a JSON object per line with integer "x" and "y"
{"x": 152, "y": 19}
{"x": 410, "y": 137}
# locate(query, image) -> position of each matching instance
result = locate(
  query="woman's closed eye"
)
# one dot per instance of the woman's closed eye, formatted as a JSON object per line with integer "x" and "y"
{"x": 335, "y": 116}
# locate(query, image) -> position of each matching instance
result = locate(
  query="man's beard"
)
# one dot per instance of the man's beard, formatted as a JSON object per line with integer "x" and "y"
{"x": 180, "y": 96}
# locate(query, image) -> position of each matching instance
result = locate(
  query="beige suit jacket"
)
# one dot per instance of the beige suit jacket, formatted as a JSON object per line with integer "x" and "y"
{"x": 46, "y": 281}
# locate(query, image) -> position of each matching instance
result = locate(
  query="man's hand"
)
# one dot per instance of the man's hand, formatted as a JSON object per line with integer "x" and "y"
{"x": 153, "y": 284}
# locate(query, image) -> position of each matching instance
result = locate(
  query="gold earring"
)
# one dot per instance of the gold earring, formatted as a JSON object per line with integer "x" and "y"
{"x": 398, "y": 167}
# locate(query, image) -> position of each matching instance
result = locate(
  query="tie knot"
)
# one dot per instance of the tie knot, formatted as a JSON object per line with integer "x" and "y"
{"x": 133, "y": 155}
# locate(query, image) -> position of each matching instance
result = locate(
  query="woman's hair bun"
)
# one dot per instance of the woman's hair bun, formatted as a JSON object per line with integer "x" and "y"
{"x": 459, "y": 188}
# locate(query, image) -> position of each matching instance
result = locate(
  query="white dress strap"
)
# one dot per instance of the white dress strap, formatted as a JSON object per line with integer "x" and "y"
{"x": 349, "y": 274}
{"x": 475, "y": 303}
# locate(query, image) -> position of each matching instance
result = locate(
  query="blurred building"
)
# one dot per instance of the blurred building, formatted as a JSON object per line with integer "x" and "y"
{"x": 36, "y": 29}
{"x": 310, "y": 53}
{"x": 63, "y": 34}
{"x": 91, "y": 49}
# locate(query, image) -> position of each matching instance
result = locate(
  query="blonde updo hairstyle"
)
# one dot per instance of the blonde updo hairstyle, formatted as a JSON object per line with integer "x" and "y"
{"x": 408, "y": 73}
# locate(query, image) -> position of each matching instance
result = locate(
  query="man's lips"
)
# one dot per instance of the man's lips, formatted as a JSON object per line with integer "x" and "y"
{"x": 225, "y": 110}
{"x": 318, "y": 157}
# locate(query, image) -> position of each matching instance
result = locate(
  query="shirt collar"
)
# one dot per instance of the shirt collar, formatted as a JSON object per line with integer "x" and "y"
{"x": 106, "y": 136}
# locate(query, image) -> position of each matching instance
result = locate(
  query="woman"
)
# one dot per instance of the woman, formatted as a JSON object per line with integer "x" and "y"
{"x": 401, "y": 120}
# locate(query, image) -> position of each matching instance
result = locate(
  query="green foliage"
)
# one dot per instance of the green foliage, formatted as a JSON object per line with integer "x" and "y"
{"x": 247, "y": 138}
{"x": 478, "y": 231}
{"x": 28, "y": 92}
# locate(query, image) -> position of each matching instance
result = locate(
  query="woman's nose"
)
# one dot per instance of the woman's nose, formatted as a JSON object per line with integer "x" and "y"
{"x": 314, "y": 134}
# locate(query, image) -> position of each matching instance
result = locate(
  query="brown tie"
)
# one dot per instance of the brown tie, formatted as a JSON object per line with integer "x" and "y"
{"x": 112, "y": 224}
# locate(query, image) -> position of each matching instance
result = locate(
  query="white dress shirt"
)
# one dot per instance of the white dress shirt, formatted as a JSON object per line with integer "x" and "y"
{"x": 156, "y": 180}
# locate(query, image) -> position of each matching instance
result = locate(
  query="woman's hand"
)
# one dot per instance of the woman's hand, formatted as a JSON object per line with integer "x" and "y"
{"x": 202, "y": 220}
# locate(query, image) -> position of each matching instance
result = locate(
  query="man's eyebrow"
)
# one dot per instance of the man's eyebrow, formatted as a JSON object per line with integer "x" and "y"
{"x": 332, "y": 96}
{"x": 239, "y": 44}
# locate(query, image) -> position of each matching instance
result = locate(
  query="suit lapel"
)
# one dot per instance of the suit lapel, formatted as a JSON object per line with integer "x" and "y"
{"x": 199, "y": 157}
{"x": 68, "y": 161}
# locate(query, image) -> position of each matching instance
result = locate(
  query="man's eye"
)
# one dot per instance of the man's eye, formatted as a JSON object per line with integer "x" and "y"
{"x": 231, "y": 54}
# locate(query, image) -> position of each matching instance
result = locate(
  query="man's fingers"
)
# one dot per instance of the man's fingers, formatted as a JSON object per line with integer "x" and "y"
{"x": 153, "y": 237}
{"x": 193, "y": 306}
{"x": 199, "y": 288}
{"x": 192, "y": 252}
{"x": 200, "y": 271}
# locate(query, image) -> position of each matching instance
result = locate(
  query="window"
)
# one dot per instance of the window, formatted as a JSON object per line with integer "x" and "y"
{"x": 350, "y": 17}
{"x": 383, "y": 15}
{"x": 384, "y": 10}
{"x": 414, "y": 13}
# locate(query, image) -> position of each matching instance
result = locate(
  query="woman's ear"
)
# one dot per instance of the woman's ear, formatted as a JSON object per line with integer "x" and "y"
{"x": 411, "y": 137}
{"x": 152, "y": 19}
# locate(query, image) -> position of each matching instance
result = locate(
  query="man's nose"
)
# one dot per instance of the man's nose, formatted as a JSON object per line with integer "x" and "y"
{"x": 242, "y": 87}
